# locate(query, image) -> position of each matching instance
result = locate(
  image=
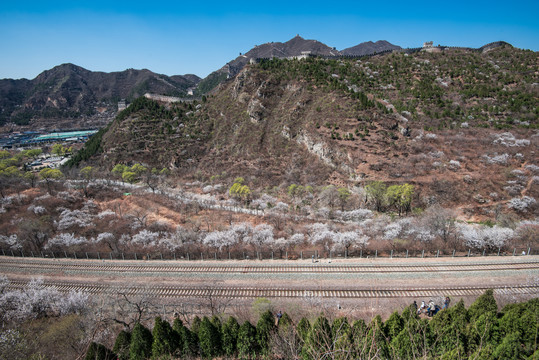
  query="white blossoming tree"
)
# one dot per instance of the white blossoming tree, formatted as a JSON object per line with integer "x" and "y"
{"x": 220, "y": 239}
{"x": 74, "y": 219}
{"x": 262, "y": 236}
{"x": 349, "y": 239}
{"x": 36, "y": 300}
{"x": 523, "y": 204}
{"x": 321, "y": 234}
{"x": 65, "y": 240}
{"x": 484, "y": 237}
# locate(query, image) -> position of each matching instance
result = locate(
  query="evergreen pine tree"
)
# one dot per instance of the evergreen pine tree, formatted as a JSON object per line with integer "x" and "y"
{"x": 216, "y": 321}
{"x": 409, "y": 314}
{"x": 393, "y": 326}
{"x": 456, "y": 353}
{"x": 230, "y": 336}
{"x": 177, "y": 339}
{"x": 141, "y": 343}
{"x": 530, "y": 327}
{"x": 121, "y": 345}
{"x": 376, "y": 339}
{"x": 483, "y": 327}
{"x": 303, "y": 329}
{"x": 195, "y": 325}
{"x": 449, "y": 329}
{"x": 510, "y": 320}
{"x": 99, "y": 352}
{"x": 524, "y": 319}
{"x": 247, "y": 344}
{"x": 319, "y": 340}
{"x": 341, "y": 333}
{"x": 358, "y": 337}
{"x": 162, "y": 339}
{"x": 415, "y": 339}
{"x": 264, "y": 328}
{"x": 288, "y": 344}
{"x": 484, "y": 330}
{"x": 483, "y": 304}
{"x": 510, "y": 348}
{"x": 209, "y": 339}
{"x": 285, "y": 321}
{"x": 189, "y": 345}
{"x": 483, "y": 353}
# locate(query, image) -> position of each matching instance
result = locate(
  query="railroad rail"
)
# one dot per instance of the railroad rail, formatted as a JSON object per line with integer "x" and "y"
{"x": 268, "y": 292}
{"x": 7, "y": 264}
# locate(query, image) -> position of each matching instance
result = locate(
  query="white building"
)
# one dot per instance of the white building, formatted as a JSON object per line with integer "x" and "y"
{"x": 121, "y": 105}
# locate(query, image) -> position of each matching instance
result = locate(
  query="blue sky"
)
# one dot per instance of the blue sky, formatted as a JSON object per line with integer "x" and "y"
{"x": 199, "y": 37}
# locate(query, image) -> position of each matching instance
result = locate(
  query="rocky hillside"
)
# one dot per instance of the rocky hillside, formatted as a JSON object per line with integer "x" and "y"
{"x": 69, "y": 91}
{"x": 298, "y": 46}
{"x": 459, "y": 125}
{"x": 294, "y": 47}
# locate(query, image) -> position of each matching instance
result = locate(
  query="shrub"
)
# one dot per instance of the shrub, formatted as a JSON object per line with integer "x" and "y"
{"x": 509, "y": 140}
{"x": 522, "y": 204}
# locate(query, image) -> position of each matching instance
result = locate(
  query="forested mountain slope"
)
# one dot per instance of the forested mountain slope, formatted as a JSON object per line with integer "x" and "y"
{"x": 70, "y": 91}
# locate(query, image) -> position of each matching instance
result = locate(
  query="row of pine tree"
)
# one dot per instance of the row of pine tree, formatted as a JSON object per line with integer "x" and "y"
{"x": 480, "y": 332}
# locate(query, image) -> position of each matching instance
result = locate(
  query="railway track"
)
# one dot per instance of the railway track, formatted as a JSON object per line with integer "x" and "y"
{"x": 255, "y": 292}
{"x": 7, "y": 264}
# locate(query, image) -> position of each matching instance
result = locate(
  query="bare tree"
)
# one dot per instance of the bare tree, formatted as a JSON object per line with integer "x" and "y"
{"x": 285, "y": 343}
{"x": 132, "y": 306}
{"x": 34, "y": 233}
{"x": 118, "y": 209}
{"x": 329, "y": 196}
{"x": 140, "y": 216}
{"x": 213, "y": 301}
{"x": 278, "y": 220}
{"x": 442, "y": 222}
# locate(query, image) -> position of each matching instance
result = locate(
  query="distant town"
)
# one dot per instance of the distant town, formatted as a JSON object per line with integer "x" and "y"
{"x": 54, "y": 154}
{"x": 33, "y": 138}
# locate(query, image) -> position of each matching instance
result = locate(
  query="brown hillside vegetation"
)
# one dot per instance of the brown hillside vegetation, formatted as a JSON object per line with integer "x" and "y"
{"x": 461, "y": 126}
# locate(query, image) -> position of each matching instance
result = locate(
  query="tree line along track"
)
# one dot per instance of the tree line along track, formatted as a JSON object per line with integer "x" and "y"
{"x": 254, "y": 292}
{"x": 7, "y": 264}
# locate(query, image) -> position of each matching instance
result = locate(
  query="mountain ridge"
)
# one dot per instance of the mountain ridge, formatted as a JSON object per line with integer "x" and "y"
{"x": 291, "y": 48}
{"x": 71, "y": 91}
{"x": 366, "y": 48}
{"x": 296, "y": 47}
{"x": 73, "y": 96}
